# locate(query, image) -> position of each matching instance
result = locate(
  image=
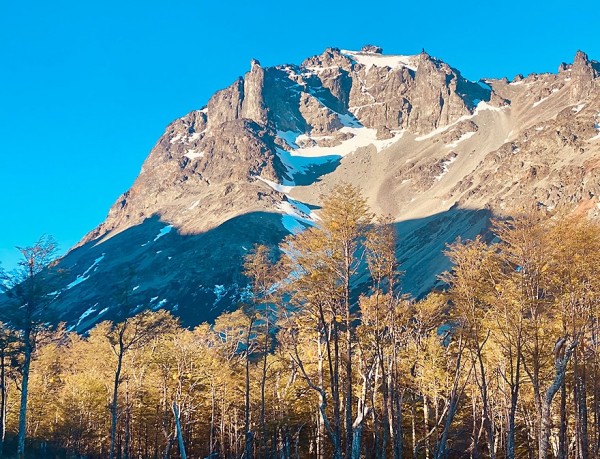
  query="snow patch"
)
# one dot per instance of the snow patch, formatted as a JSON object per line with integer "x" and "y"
{"x": 369, "y": 60}
{"x": 292, "y": 225}
{"x": 86, "y": 314}
{"x": 194, "y": 205}
{"x": 445, "y": 167}
{"x": 484, "y": 85}
{"x": 289, "y": 137}
{"x": 297, "y": 215}
{"x": 535, "y": 104}
{"x": 481, "y": 106}
{"x": 465, "y": 136}
{"x": 298, "y": 161}
{"x": 86, "y": 275}
{"x": 193, "y": 154}
{"x": 276, "y": 186}
{"x": 159, "y": 305}
{"x": 167, "y": 229}
{"x": 219, "y": 292}
{"x": 578, "y": 108}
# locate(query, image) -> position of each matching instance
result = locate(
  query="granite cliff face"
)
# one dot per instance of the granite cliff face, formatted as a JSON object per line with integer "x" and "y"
{"x": 439, "y": 153}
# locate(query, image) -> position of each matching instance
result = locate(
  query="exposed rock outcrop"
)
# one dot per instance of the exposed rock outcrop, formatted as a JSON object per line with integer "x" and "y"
{"x": 439, "y": 153}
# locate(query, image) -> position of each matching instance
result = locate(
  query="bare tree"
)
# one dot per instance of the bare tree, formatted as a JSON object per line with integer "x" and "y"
{"x": 129, "y": 334}
{"x": 29, "y": 293}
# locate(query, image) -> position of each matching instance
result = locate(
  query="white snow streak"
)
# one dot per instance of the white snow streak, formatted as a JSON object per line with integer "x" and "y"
{"x": 543, "y": 99}
{"x": 445, "y": 167}
{"x": 167, "y": 229}
{"x": 369, "y": 60}
{"x": 481, "y": 106}
{"x": 465, "y": 136}
{"x": 193, "y": 154}
{"x": 85, "y": 276}
{"x": 276, "y": 186}
{"x": 87, "y": 313}
{"x": 297, "y": 216}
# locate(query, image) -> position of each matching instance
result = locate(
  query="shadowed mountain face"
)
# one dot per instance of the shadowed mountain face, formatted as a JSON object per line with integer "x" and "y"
{"x": 437, "y": 152}
{"x": 152, "y": 265}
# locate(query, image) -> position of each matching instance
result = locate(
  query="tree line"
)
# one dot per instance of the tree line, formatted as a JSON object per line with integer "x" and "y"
{"x": 501, "y": 363}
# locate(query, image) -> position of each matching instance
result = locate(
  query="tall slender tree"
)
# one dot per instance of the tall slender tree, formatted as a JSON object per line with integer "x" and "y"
{"x": 30, "y": 293}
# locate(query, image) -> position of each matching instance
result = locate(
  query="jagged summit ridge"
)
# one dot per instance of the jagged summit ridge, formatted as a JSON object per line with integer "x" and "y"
{"x": 437, "y": 152}
{"x": 331, "y": 100}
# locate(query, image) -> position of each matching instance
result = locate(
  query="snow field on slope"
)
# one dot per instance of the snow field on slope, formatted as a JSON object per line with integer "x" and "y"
{"x": 445, "y": 167}
{"x": 85, "y": 276}
{"x": 299, "y": 159}
{"x": 165, "y": 230}
{"x": 369, "y": 60}
{"x": 465, "y": 136}
{"x": 193, "y": 154}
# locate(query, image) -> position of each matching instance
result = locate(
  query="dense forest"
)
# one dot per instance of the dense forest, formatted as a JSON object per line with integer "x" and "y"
{"x": 504, "y": 362}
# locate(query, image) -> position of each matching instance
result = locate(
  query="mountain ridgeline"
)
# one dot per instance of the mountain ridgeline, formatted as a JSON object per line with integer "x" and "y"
{"x": 438, "y": 153}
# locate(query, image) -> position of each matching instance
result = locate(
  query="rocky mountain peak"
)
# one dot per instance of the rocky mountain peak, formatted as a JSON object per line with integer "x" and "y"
{"x": 583, "y": 67}
{"x": 372, "y": 49}
{"x": 583, "y": 72}
{"x": 436, "y": 151}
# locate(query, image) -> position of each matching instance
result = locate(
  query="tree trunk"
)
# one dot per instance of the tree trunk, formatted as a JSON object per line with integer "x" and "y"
{"x": 115, "y": 400}
{"x": 474, "y": 429}
{"x": 348, "y": 395}
{"x": 582, "y": 412}
{"x": 248, "y": 444}
{"x": 426, "y": 424}
{"x": 176, "y": 413}
{"x": 335, "y": 389}
{"x": 487, "y": 418}
{"x": 545, "y": 421}
{"x": 455, "y": 394}
{"x": 24, "y": 392}
{"x": 263, "y": 382}
{"x": 211, "y": 446}
{"x": 515, "y": 384}
{"x": 396, "y": 423}
{"x": 127, "y": 440}
{"x": 359, "y": 423}
{"x": 320, "y": 420}
{"x": 357, "y": 440}
{"x": 168, "y": 447}
{"x": 562, "y": 434}
{"x": 596, "y": 447}
{"x": 442, "y": 451}
{"x": 413, "y": 424}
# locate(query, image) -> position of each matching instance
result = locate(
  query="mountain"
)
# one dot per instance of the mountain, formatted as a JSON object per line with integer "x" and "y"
{"x": 439, "y": 153}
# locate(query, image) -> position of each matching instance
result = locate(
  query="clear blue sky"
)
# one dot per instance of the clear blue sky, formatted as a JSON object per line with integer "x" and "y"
{"x": 86, "y": 88}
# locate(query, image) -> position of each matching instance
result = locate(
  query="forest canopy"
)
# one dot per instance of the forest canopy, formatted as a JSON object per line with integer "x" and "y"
{"x": 501, "y": 363}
